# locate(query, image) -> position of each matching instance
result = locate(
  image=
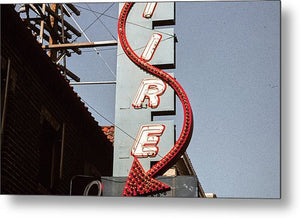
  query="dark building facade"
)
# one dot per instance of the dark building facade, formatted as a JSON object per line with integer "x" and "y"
{"x": 48, "y": 136}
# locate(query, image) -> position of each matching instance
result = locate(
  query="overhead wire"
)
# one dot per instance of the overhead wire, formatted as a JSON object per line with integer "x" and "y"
{"x": 106, "y": 119}
{"x": 90, "y": 50}
{"x": 110, "y": 49}
{"x": 112, "y": 123}
{"x": 98, "y": 18}
{"x": 142, "y": 47}
{"x": 95, "y": 49}
{"x": 128, "y": 22}
{"x": 103, "y": 14}
{"x": 98, "y": 52}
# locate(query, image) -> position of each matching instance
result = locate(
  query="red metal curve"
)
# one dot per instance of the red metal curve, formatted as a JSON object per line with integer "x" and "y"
{"x": 182, "y": 142}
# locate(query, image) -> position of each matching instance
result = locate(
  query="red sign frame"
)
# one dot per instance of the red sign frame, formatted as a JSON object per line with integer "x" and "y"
{"x": 132, "y": 187}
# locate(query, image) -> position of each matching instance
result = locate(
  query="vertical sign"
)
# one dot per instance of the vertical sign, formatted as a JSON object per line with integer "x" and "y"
{"x": 139, "y": 95}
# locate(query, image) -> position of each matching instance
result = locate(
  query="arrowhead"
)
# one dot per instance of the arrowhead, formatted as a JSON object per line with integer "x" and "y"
{"x": 140, "y": 183}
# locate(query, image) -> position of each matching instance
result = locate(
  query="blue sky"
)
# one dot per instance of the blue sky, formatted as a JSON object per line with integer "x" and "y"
{"x": 228, "y": 61}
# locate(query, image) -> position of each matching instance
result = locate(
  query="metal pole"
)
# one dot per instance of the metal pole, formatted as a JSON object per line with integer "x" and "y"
{"x": 62, "y": 150}
{"x": 5, "y": 100}
{"x": 94, "y": 83}
{"x": 81, "y": 45}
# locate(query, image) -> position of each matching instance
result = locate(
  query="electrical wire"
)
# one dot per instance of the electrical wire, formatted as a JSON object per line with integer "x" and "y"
{"x": 87, "y": 51}
{"x": 110, "y": 49}
{"x": 98, "y": 52}
{"x": 142, "y": 47}
{"x": 106, "y": 119}
{"x": 103, "y": 14}
{"x": 95, "y": 49}
{"x": 116, "y": 18}
{"x": 98, "y": 18}
{"x": 112, "y": 123}
{"x": 122, "y": 53}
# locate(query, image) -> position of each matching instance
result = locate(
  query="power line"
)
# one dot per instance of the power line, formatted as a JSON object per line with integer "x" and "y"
{"x": 106, "y": 119}
{"x": 90, "y": 50}
{"x": 115, "y": 18}
{"x": 103, "y": 14}
{"x": 142, "y": 47}
{"x": 112, "y": 123}
{"x": 110, "y": 49}
{"x": 98, "y": 18}
{"x": 85, "y": 35}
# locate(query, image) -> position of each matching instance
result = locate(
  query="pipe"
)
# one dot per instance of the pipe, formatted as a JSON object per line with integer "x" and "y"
{"x": 5, "y": 100}
{"x": 93, "y": 83}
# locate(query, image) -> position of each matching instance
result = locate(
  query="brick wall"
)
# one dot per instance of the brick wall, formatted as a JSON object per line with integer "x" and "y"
{"x": 38, "y": 95}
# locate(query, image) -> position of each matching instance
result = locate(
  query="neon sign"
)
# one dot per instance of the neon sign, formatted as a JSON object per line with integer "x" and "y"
{"x": 147, "y": 143}
{"x": 151, "y": 46}
{"x": 149, "y": 10}
{"x": 150, "y": 89}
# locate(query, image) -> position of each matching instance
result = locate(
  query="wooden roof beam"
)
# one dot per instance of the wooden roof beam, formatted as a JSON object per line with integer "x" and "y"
{"x": 74, "y": 9}
{"x": 69, "y": 73}
{"x": 66, "y": 24}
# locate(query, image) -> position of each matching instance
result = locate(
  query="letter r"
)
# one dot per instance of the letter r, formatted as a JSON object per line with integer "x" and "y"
{"x": 150, "y": 89}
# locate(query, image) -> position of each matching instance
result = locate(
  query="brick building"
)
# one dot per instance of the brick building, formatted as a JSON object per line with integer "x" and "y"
{"x": 48, "y": 136}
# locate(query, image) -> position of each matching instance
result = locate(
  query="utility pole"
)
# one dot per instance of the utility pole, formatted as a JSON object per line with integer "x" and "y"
{"x": 55, "y": 34}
